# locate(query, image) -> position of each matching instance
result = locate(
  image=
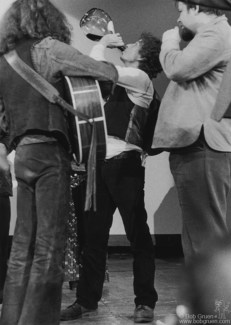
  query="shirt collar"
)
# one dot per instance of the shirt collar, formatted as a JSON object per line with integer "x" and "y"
{"x": 213, "y": 22}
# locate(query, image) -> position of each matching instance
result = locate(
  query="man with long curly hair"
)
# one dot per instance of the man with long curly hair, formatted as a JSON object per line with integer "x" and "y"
{"x": 120, "y": 180}
{"x": 40, "y": 34}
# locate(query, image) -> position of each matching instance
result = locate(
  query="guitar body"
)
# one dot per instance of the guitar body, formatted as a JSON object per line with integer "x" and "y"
{"x": 85, "y": 97}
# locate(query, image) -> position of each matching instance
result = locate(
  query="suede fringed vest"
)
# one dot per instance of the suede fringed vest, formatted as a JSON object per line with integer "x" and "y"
{"x": 27, "y": 111}
{"x": 125, "y": 120}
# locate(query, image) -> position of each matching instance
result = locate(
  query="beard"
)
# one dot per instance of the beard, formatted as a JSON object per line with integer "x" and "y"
{"x": 186, "y": 34}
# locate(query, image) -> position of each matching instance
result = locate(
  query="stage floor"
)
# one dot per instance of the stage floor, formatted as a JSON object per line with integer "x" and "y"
{"x": 117, "y": 306}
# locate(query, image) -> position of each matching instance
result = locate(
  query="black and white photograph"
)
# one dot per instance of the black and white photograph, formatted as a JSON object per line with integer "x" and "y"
{"x": 115, "y": 162}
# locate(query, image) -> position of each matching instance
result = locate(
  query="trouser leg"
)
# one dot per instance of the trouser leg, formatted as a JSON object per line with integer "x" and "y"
{"x": 35, "y": 274}
{"x": 20, "y": 258}
{"x": 202, "y": 179}
{"x": 96, "y": 227}
{"x": 127, "y": 189}
{"x": 43, "y": 296}
{"x": 120, "y": 184}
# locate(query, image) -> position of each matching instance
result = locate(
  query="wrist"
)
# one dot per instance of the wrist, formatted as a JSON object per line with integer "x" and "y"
{"x": 103, "y": 42}
{"x": 101, "y": 45}
{"x": 3, "y": 150}
{"x": 2, "y": 146}
{"x": 168, "y": 38}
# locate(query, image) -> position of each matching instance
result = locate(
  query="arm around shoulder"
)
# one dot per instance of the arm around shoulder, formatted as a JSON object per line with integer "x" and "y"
{"x": 56, "y": 57}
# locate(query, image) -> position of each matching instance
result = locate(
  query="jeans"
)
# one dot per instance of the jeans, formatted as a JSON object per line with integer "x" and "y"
{"x": 202, "y": 177}
{"x": 32, "y": 293}
{"x": 120, "y": 184}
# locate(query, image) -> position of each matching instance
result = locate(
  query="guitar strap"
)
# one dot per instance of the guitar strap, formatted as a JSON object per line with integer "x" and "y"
{"x": 52, "y": 95}
{"x": 40, "y": 84}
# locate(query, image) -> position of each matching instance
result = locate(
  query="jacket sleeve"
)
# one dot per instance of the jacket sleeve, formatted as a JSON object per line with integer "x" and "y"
{"x": 53, "y": 58}
{"x": 201, "y": 55}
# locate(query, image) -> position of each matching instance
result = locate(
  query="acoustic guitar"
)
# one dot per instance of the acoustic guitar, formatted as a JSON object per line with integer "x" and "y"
{"x": 85, "y": 96}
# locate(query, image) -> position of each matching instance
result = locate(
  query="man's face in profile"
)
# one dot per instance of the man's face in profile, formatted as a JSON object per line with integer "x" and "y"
{"x": 186, "y": 21}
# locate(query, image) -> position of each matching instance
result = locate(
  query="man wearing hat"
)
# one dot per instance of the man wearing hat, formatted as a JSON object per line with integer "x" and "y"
{"x": 200, "y": 146}
{"x": 218, "y": 4}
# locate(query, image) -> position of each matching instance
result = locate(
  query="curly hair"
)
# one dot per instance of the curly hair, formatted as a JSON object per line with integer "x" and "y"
{"x": 149, "y": 52}
{"x": 32, "y": 19}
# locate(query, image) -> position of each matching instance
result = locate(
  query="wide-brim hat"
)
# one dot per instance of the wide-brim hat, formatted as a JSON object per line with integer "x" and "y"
{"x": 217, "y": 4}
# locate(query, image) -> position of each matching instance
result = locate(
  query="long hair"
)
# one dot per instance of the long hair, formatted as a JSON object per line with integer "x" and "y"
{"x": 149, "y": 52}
{"x": 32, "y": 19}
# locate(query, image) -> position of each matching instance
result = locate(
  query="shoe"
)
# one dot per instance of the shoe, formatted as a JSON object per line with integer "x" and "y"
{"x": 143, "y": 314}
{"x": 74, "y": 311}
